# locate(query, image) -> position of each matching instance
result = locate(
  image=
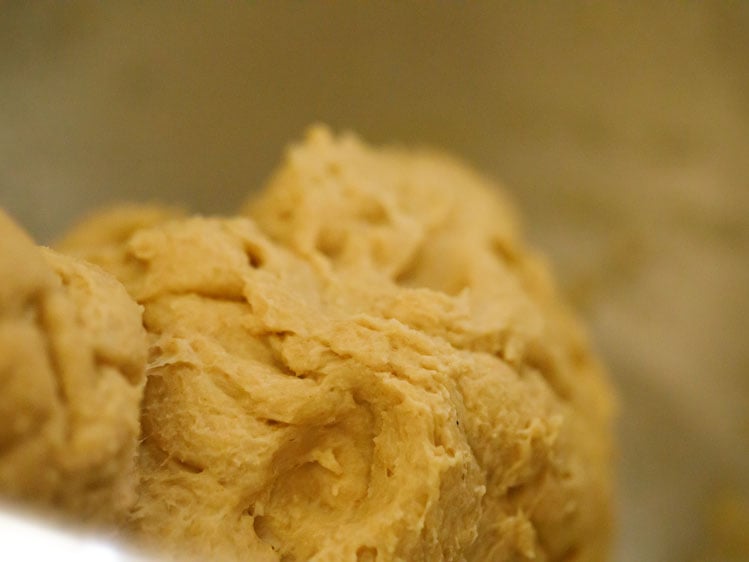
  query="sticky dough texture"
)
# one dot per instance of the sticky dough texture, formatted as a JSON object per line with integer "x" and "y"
{"x": 72, "y": 371}
{"x": 367, "y": 365}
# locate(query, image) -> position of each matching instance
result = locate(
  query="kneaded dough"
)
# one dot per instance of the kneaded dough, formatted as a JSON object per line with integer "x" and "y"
{"x": 369, "y": 364}
{"x": 72, "y": 372}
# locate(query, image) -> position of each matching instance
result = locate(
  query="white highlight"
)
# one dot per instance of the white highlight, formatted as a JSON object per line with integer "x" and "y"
{"x": 25, "y": 538}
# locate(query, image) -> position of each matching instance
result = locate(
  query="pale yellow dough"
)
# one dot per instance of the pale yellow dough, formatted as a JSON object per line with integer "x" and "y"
{"x": 367, "y": 365}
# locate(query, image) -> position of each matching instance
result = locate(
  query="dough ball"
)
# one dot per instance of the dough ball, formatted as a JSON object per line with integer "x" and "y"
{"x": 72, "y": 364}
{"x": 372, "y": 366}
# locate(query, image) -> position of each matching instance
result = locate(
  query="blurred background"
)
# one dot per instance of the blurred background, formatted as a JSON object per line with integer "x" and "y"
{"x": 621, "y": 130}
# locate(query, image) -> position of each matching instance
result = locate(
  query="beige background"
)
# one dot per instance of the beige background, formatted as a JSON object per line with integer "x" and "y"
{"x": 622, "y": 130}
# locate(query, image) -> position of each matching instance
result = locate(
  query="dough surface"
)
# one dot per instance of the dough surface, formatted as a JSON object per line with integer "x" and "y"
{"x": 369, "y": 365}
{"x": 366, "y": 364}
{"x": 72, "y": 371}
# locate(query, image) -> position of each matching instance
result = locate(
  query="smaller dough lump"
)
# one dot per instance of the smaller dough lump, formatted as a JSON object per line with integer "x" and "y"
{"x": 72, "y": 372}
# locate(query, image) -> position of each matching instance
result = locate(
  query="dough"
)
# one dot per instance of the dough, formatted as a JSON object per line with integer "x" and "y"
{"x": 368, "y": 365}
{"x": 72, "y": 360}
